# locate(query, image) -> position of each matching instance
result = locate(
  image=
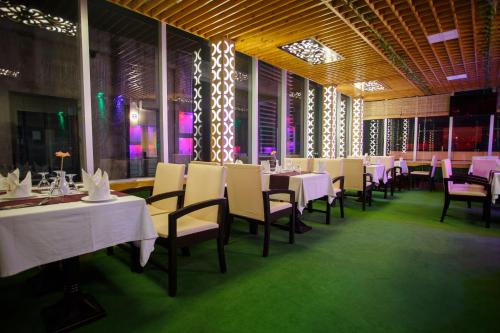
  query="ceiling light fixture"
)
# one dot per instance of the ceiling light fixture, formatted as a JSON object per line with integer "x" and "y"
{"x": 443, "y": 36}
{"x": 36, "y": 18}
{"x": 312, "y": 51}
{"x": 456, "y": 77}
{"x": 370, "y": 86}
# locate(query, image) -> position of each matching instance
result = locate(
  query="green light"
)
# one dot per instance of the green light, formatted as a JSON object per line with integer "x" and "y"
{"x": 60, "y": 115}
{"x": 100, "y": 104}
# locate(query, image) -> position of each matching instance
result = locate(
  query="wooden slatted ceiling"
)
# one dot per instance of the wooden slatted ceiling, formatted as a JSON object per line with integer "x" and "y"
{"x": 258, "y": 27}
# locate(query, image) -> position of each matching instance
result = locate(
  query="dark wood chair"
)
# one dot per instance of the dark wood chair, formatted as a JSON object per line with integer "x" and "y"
{"x": 465, "y": 188}
{"x": 248, "y": 201}
{"x": 418, "y": 175}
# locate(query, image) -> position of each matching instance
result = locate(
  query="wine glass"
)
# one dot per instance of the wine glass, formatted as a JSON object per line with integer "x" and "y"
{"x": 71, "y": 183}
{"x": 44, "y": 182}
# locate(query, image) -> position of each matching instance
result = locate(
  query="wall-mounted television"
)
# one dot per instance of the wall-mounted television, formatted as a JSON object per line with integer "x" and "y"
{"x": 473, "y": 102}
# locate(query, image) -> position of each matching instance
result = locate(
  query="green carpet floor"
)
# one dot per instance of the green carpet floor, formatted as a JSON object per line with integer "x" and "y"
{"x": 393, "y": 268}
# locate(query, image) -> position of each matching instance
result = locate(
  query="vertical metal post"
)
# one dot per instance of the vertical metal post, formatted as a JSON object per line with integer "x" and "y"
{"x": 491, "y": 134}
{"x": 415, "y": 139}
{"x": 86, "y": 93}
{"x": 254, "y": 113}
{"x": 282, "y": 110}
{"x": 450, "y": 137}
{"x": 163, "y": 95}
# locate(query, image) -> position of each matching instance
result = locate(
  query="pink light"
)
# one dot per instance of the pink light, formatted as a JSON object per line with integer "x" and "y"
{"x": 185, "y": 122}
{"x": 186, "y": 146}
{"x": 135, "y": 134}
{"x": 135, "y": 151}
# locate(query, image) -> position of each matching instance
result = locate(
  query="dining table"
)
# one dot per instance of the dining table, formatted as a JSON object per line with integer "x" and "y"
{"x": 378, "y": 173}
{"x": 35, "y": 231}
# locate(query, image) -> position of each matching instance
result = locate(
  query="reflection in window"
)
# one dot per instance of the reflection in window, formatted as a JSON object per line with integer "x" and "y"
{"x": 243, "y": 84}
{"x": 470, "y": 136}
{"x": 373, "y": 137}
{"x": 124, "y": 83}
{"x": 433, "y": 138}
{"x": 188, "y": 97}
{"x": 269, "y": 92}
{"x": 496, "y": 136}
{"x": 39, "y": 93}
{"x": 294, "y": 117}
{"x": 400, "y": 136}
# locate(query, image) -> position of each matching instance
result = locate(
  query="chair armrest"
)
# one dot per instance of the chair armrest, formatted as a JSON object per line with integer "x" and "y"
{"x": 165, "y": 195}
{"x": 174, "y": 216}
{"x": 133, "y": 190}
{"x": 268, "y": 193}
{"x": 339, "y": 179}
{"x": 369, "y": 176}
{"x": 469, "y": 180}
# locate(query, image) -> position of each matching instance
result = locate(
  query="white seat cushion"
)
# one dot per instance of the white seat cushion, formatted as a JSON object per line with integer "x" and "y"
{"x": 186, "y": 225}
{"x": 420, "y": 173}
{"x": 155, "y": 210}
{"x": 276, "y": 206}
{"x": 467, "y": 189}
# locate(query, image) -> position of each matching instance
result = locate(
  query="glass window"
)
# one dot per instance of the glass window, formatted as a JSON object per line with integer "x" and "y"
{"x": 433, "y": 138}
{"x": 400, "y": 136}
{"x": 470, "y": 136}
{"x": 188, "y": 97}
{"x": 124, "y": 83}
{"x": 269, "y": 93}
{"x": 39, "y": 88}
{"x": 294, "y": 116}
{"x": 241, "y": 121}
{"x": 373, "y": 137}
{"x": 496, "y": 136}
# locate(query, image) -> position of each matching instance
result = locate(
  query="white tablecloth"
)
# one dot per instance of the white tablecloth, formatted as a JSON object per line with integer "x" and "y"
{"x": 307, "y": 187}
{"x": 495, "y": 187}
{"x": 378, "y": 173}
{"x": 403, "y": 165}
{"x": 34, "y": 236}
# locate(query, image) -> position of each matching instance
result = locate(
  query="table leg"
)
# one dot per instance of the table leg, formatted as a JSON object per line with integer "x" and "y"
{"x": 76, "y": 308}
{"x": 300, "y": 227}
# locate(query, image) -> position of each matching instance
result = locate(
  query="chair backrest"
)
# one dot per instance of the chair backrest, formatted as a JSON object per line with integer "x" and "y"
{"x": 447, "y": 171}
{"x": 353, "y": 174}
{"x": 204, "y": 163}
{"x": 205, "y": 182}
{"x": 334, "y": 167}
{"x": 433, "y": 166}
{"x": 244, "y": 190}
{"x": 169, "y": 177}
{"x": 485, "y": 158}
{"x": 306, "y": 164}
{"x": 483, "y": 167}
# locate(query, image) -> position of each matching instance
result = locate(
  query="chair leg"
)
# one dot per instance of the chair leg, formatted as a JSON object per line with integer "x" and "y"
{"x": 469, "y": 205}
{"x": 228, "y": 224}
{"x": 310, "y": 206}
{"x": 291, "y": 232}
{"x": 172, "y": 269}
{"x": 135, "y": 259}
{"x": 341, "y": 203}
{"x": 221, "y": 254}
{"x": 363, "y": 199}
{"x": 328, "y": 210}
{"x": 445, "y": 208}
{"x": 392, "y": 189}
{"x": 487, "y": 212}
{"x": 370, "y": 194}
{"x": 385, "y": 191}
{"x": 267, "y": 236}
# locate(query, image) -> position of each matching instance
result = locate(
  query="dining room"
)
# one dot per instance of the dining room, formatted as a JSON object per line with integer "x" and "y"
{"x": 250, "y": 166}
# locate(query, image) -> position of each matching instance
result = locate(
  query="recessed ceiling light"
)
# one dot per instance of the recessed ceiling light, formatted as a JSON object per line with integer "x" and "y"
{"x": 312, "y": 51}
{"x": 456, "y": 77}
{"x": 370, "y": 86}
{"x": 443, "y": 36}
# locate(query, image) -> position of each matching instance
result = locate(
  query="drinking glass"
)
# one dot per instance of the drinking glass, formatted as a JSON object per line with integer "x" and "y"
{"x": 71, "y": 183}
{"x": 44, "y": 182}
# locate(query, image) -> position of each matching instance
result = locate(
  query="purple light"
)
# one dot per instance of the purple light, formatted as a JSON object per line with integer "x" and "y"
{"x": 186, "y": 146}
{"x": 135, "y": 134}
{"x": 119, "y": 105}
{"x": 135, "y": 151}
{"x": 268, "y": 150}
{"x": 186, "y": 122}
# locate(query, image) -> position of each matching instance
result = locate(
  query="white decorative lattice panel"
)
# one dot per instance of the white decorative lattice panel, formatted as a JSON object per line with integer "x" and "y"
{"x": 374, "y": 133}
{"x": 197, "y": 100}
{"x": 357, "y": 127}
{"x": 310, "y": 124}
{"x": 404, "y": 145}
{"x": 388, "y": 136}
{"x": 222, "y": 100}
{"x": 341, "y": 135}
{"x": 328, "y": 131}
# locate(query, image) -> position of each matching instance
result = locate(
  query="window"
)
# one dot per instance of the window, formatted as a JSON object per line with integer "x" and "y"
{"x": 400, "y": 137}
{"x": 242, "y": 100}
{"x": 470, "y": 136}
{"x": 294, "y": 116}
{"x": 269, "y": 94}
{"x": 188, "y": 97}
{"x": 496, "y": 136}
{"x": 373, "y": 137}
{"x": 433, "y": 138}
{"x": 40, "y": 91}
{"x": 124, "y": 82}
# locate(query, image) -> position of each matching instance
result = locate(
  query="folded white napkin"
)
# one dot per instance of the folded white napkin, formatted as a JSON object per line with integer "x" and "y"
{"x": 88, "y": 178}
{"x": 99, "y": 190}
{"x": 18, "y": 189}
{"x": 266, "y": 166}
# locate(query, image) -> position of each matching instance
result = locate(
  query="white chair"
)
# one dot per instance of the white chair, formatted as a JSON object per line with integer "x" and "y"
{"x": 356, "y": 179}
{"x": 305, "y": 164}
{"x": 335, "y": 168}
{"x": 201, "y": 218}
{"x": 248, "y": 200}
{"x": 429, "y": 175}
{"x": 465, "y": 188}
{"x": 482, "y": 167}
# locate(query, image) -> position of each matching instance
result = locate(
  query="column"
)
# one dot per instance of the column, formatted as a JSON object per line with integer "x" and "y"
{"x": 328, "y": 130}
{"x": 357, "y": 126}
{"x": 222, "y": 64}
